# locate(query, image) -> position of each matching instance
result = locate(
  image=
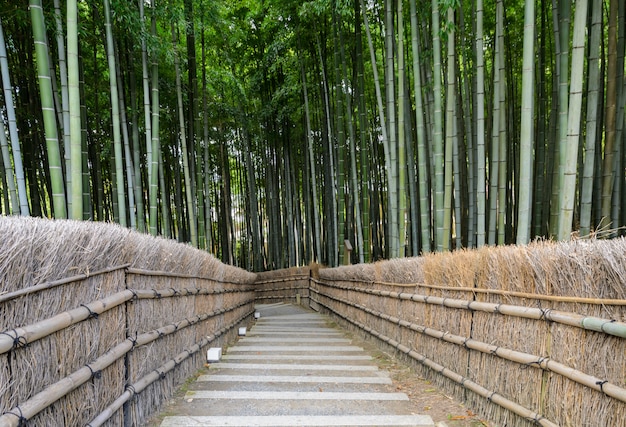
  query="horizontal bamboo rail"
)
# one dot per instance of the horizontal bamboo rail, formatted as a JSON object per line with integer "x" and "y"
{"x": 283, "y": 279}
{"x": 176, "y": 275}
{"x": 609, "y": 327}
{"x": 555, "y": 298}
{"x": 7, "y": 296}
{"x": 465, "y": 382}
{"x": 521, "y": 358}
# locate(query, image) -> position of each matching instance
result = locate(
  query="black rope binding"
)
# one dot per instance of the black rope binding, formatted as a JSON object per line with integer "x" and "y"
{"x": 161, "y": 374}
{"x": 133, "y": 340}
{"x": 465, "y": 343}
{"x": 537, "y": 419}
{"x": 22, "y": 421}
{"x": 544, "y": 314}
{"x": 94, "y": 374}
{"x": 537, "y": 362}
{"x": 92, "y": 314}
{"x": 601, "y": 384}
{"x": 156, "y": 294}
{"x": 19, "y": 341}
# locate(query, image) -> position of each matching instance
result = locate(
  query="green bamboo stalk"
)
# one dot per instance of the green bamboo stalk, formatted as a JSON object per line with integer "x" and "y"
{"x": 115, "y": 117}
{"x": 481, "y": 166}
{"x": 438, "y": 149}
{"x": 48, "y": 110}
{"x": 4, "y": 146}
{"x": 526, "y": 128}
{"x": 422, "y": 168}
{"x": 570, "y": 160}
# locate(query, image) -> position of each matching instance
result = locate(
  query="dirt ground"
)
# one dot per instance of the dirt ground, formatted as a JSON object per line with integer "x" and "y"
{"x": 424, "y": 396}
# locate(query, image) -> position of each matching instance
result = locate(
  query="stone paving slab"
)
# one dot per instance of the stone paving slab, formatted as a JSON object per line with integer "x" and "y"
{"x": 293, "y": 369}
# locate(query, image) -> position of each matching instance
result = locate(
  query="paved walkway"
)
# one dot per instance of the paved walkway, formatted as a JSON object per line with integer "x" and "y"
{"x": 293, "y": 369}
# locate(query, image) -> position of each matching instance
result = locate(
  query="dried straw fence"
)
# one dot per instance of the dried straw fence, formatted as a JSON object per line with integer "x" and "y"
{"x": 99, "y": 325}
{"x": 290, "y": 285}
{"x": 531, "y": 335}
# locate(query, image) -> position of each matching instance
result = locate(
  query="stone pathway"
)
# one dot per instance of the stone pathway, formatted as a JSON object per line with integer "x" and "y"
{"x": 293, "y": 369}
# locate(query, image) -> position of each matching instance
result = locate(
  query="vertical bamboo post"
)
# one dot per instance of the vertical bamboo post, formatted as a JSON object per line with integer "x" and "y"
{"x": 347, "y": 251}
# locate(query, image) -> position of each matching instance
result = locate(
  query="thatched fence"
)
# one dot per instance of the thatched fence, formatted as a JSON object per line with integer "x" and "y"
{"x": 99, "y": 325}
{"x": 532, "y": 335}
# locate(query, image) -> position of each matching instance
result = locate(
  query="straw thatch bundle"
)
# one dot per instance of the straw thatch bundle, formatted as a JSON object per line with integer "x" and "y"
{"x": 76, "y": 297}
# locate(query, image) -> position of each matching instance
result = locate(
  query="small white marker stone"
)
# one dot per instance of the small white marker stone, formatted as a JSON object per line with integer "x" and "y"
{"x": 242, "y": 331}
{"x": 214, "y": 354}
{"x": 257, "y": 315}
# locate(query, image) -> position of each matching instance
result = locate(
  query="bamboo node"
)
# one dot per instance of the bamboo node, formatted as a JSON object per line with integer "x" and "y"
{"x": 605, "y": 323}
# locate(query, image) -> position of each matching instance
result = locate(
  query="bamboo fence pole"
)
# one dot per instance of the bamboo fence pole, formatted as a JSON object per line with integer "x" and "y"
{"x": 22, "y": 336}
{"x": 141, "y": 272}
{"x": 4, "y": 297}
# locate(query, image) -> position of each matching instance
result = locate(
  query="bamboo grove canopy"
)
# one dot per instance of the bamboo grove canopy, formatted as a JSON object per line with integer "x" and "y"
{"x": 271, "y": 132}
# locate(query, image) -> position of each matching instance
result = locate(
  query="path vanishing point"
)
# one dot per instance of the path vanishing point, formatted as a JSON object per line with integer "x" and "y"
{"x": 293, "y": 368}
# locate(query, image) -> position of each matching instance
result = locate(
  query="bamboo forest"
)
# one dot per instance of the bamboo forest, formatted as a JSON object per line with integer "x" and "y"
{"x": 276, "y": 133}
